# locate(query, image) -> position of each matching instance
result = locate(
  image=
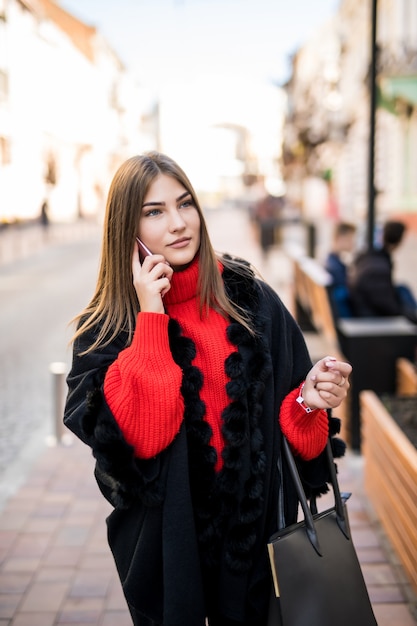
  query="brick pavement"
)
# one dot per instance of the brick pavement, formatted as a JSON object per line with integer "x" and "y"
{"x": 56, "y": 568}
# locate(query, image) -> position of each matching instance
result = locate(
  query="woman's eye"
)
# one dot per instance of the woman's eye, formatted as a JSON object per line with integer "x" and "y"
{"x": 152, "y": 212}
{"x": 186, "y": 204}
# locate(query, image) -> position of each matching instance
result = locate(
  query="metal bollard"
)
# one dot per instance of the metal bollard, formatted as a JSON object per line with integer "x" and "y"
{"x": 58, "y": 371}
{"x": 311, "y": 239}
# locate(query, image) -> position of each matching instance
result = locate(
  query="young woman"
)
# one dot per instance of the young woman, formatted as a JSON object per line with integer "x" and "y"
{"x": 187, "y": 370}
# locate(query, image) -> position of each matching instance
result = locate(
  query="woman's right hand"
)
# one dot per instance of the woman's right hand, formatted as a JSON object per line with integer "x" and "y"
{"x": 152, "y": 280}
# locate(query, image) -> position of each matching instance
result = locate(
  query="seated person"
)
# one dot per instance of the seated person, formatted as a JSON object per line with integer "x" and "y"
{"x": 343, "y": 244}
{"x": 370, "y": 281}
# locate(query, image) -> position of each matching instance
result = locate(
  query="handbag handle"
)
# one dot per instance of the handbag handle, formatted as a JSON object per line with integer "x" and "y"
{"x": 308, "y": 516}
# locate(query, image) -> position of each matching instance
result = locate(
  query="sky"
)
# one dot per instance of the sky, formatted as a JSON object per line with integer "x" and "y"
{"x": 167, "y": 40}
{"x": 209, "y": 63}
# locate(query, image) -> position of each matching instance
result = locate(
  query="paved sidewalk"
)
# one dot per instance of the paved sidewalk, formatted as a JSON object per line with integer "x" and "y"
{"x": 56, "y": 568}
{"x": 21, "y": 241}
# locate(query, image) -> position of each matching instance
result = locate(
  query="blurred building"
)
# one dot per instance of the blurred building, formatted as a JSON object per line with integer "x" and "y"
{"x": 225, "y": 131}
{"x": 326, "y": 143}
{"x": 69, "y": 113}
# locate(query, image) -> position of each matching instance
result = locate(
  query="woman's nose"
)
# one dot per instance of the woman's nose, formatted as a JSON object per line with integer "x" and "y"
{"x": 176, "y": 221}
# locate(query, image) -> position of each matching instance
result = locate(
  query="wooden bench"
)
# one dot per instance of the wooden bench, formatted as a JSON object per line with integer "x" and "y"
{"x": 390, "y": 473}
{"x": 311, "y": 299}
{"x": 406, "y": 377}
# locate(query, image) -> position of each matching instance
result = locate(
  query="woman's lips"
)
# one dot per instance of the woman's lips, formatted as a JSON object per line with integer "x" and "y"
{"x": 180, "y": 243}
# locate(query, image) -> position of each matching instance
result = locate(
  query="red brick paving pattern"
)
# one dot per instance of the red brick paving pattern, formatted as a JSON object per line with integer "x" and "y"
{"x": 56, "y": 568}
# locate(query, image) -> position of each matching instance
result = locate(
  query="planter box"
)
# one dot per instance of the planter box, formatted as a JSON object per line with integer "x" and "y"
{"x": 391, "y": 479}
{"x": 373, "y": 345}
{"x": 406, "y": 378}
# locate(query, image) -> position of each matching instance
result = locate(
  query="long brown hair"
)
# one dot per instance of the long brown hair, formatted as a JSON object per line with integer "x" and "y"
{"x": 115, "y": 305}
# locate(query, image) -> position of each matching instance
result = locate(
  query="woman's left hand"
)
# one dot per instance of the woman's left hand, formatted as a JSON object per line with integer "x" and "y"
{"x": 326, "y": 384}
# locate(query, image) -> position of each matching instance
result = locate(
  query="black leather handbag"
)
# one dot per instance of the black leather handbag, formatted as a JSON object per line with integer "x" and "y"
{"x": 316, "y": 574}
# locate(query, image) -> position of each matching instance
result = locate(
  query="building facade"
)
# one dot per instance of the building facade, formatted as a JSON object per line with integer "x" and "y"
{"x": 69, "y": 113}
{"x": 326, "y": 144}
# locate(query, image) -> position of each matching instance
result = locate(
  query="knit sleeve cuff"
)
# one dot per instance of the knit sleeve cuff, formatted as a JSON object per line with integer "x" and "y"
{"x": 151, "y": 333}
{"x": 150, "y": 338}
{"x": 307, "y": 433}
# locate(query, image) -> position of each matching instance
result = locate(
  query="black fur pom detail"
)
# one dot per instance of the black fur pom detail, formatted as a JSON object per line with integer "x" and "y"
{"x": 338, "y": 447}
{"x": 334, "y": 425}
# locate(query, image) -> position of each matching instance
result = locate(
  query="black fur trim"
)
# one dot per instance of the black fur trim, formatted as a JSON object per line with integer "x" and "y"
{"x": 337, "y": 444}
{"x": 338, "y": 447}
{"x": 334, "y": 425}
{"x": 123, "y": 476}
{"x": 227, "y": 505}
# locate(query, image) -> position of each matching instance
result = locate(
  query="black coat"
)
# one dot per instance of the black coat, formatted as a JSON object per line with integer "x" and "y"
{"x": 186, "y": 541}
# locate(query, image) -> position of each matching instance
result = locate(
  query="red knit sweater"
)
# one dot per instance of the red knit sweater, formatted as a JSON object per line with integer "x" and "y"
{"x": 142, "y": 387}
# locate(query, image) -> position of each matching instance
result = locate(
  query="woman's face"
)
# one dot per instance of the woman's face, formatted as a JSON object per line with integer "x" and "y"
{"x": 169, "y": 223}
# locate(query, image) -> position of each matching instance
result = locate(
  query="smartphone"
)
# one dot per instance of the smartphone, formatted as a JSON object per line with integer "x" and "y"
{"x": 143, "y": 250}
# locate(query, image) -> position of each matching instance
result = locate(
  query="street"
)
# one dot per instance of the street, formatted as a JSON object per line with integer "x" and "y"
{"x": 39, "y": 296}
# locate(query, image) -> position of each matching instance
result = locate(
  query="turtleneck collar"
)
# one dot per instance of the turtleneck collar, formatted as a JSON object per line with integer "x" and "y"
{"x": 183, "y": 284}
